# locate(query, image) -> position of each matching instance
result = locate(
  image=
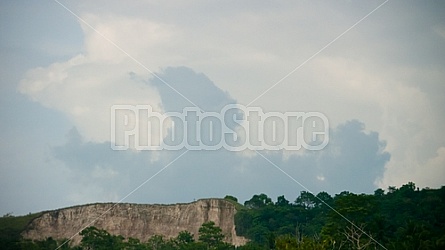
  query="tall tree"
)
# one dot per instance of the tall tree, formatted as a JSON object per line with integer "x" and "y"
{"x": 211, "y": 234}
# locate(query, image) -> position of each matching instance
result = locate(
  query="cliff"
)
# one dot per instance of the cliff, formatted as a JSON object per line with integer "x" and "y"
{"x": 139, "y": 221}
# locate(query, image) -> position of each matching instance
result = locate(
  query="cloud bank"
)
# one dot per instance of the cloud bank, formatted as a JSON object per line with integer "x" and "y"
{"x": 381, "y": 86}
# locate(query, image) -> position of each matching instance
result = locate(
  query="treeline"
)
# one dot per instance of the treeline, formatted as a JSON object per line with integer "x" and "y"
{"x": 404, "y": 218}
{"x": 400, "y": 218}
{"x": 210, "y": 237}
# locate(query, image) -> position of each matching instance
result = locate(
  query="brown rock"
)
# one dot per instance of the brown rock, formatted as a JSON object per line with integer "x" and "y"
{"x": 139, "y": 221}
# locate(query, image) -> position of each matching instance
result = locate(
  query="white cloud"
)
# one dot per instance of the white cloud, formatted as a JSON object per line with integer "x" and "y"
{"x": 85, "y": 87}
{"x": 342, "y": 87}
{"x": 365, "y": 75}
{"x": 431, "y": 174}
{"x": 139, "y": 38}
{"x": 402, "y": 113}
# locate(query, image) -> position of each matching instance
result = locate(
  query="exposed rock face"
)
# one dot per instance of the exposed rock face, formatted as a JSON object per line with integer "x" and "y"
{"x": 136, "y": 220}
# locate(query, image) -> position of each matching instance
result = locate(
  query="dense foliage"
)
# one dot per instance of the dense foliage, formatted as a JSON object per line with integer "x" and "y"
{"x": 404, "y": 218}
{"x": 210, "y": 237}
{"x": 10, "y": 229}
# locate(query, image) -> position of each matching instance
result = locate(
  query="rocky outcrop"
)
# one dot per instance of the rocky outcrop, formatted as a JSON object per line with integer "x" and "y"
{"x": 136, "y": 220}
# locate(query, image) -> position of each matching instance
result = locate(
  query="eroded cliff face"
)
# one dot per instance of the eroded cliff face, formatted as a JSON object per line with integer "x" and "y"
{"x": 136, "y": 220}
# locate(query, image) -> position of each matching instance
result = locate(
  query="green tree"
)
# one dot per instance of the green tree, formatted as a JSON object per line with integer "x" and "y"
{"x": 379, "y": 192}
{"x": 185, "y": 237}
{"x": 286, "y": 242}
{"x": 282, "y": 202}
{"x": 323, "y": 199}
{"x": 231, "y": 198}
{"x": 99, "y": 239}
{"x": 134, "y": 244}
{"x": 211, "y": 234}
{"x": 258, "y": 201}
{"x": 157, "y": 242}
{"x": 252, "y": 246}
{"x": 306, "y": 200}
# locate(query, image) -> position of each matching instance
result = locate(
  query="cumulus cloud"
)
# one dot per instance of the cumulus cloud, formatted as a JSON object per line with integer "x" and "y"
{"x": 379, "y": 74}
{"x": 353, "y": 160}
{"x": 399, "y": 109}
{"x": 85, "y": 87}
{"x": 435, "y": 165}
{"x": 198, "y": 88}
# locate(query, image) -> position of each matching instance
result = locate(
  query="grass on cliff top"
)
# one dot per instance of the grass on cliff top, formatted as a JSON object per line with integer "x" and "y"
{"x": 234, "y": 201}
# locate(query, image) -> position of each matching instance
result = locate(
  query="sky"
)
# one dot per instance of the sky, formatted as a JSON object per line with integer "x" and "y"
{"x": 375, "y": 69}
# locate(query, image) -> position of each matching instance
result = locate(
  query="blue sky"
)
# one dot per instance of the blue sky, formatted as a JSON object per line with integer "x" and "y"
{"x": 381, "y": 85}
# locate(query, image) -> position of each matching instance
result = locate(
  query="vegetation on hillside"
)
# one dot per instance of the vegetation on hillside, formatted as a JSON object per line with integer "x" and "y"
{"x": 403, "y": 218}
{"x": 210, "y": 237}
{"x": 11, "y": 228}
